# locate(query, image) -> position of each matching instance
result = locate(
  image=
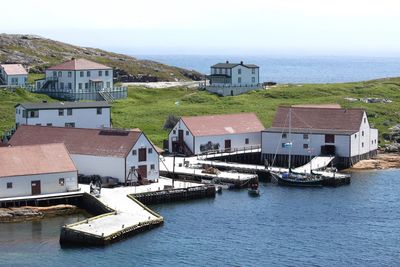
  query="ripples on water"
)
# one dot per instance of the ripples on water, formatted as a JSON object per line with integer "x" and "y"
{"x": 346, "y": 226}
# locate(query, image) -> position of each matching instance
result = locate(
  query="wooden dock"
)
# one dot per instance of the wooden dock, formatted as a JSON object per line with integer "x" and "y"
{"x": 121, "y": 214}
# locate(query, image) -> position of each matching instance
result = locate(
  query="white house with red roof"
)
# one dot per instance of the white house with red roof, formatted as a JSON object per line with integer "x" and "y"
{"x": 127, "y": 155}
{"x": 80, "y": 79}
{"x": 36, "y": 170}
{"x": 13, "y": 74}
{"x": 201, "y": 134}
{"x": 319, "y": 130}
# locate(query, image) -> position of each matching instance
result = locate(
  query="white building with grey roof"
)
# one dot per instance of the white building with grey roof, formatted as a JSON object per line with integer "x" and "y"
{"x": 233, "y": 78}
{"x": 64, "y": 114}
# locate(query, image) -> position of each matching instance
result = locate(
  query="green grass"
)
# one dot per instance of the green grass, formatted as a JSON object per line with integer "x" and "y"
{"x": 8, "y": 100}
{"x": 32, "y": 77}
{"x": 147, "y": 109}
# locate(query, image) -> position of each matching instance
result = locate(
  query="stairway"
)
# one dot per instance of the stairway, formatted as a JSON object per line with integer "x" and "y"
{"x": 2, "y": 82}
{"x": 107, "y": 96}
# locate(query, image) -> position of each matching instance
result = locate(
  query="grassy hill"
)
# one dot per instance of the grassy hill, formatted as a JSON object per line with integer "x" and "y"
{"x": 39, "y": 53}
{"x": 147, "y": 109}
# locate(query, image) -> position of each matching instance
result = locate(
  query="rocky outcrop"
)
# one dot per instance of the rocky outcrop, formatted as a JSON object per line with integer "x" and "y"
{"x": 31, "y": 213}
{"x": 37, "y": 53}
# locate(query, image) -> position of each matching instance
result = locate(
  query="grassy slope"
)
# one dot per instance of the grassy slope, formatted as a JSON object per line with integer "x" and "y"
{"x": 148, "y": 108}
{"x": 7, "y": 102}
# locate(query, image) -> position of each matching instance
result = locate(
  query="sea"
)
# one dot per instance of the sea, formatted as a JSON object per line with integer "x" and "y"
{"x": 295, "y": 69}
{"x": 353, "y": 225}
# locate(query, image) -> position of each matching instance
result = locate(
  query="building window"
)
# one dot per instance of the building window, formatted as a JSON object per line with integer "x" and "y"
{"x": 9, "y": 185}
{"x": 362, "y": 144}
{"x": 61, "y": 181}
{"x": 86, "y": 85}
{"x": 239, "y": 80}
{"x": 70, "y": 124}
{"x": 60, "y": 112}
{"x": 24, "y": 113}
{"x": 329, "y": 138}
{"x": 187, "y": 132}
{"x": 355, "y": 136}
{"x": 152, "y": 167}
{"x": 108, "y": 84}
{"x": 82, "y": 74}
{"x": 62, "y": 86}
{"x": 49, "y": 124}
{"x": 283, "y": 145}
{"x": 80, "y": 85}
{"x": 239, "y": 71}
{"x": 284, "y": 135}
{"x": 69, "y": 111}
{"x": 100, "y": 73}
{"x": 99, "y": 111}
{"x": 88, "y": 73}
{"x": 70, "y": 86}
{"x": 362, "y": 133}
{"x": 174, "y": 132}
{"x": 54, "y": 73}
{"x": 106, "y": 73}
{"x": 246, "y": 141}
{"x": 253, "y": 79}
{"x": 60, "y": 74}
{"x": 69, "y": 74}
{"x": 33, "y": 113}
{"x": 365, "y": 120}
{"x": 305, "y": 146}
{"x": 150, "y": 150}
{"x": 253, "y": 71}
{"x": 134, "y": 152}
{"x": 305, "y": 136}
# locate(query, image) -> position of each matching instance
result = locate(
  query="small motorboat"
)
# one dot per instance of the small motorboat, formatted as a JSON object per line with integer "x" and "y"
{"x": 253, "y": 189}
{"x": 218, "y": 189}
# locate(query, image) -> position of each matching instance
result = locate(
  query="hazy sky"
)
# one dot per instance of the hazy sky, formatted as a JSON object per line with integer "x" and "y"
{"x": 316, "y": 27}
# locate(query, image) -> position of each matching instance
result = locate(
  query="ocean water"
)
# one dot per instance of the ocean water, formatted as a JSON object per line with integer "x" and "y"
{"x": 296, "y": 69}
{"x": 355, "y": 225}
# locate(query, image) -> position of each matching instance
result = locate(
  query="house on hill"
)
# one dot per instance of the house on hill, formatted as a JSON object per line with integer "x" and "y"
{"x": 36, "y": 170}
{"x": 13, "y": 74}
{"x": 64, "y": 114}
{"x": 80, "y": 79}
{"x": 229, "y": 79}
{"x": 123, "y": 154}
{"x": 319, "y": 130}
{"x": 199, "y": 134}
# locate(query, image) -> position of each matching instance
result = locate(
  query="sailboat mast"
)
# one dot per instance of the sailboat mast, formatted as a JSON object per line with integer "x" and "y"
{"x": 290, "y": 137}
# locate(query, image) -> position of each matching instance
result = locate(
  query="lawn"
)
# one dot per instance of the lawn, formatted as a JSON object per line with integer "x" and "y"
{"x": 147, "y": 109}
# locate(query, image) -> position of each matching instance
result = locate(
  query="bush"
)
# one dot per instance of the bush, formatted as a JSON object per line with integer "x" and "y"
{"x": 170, "y": 122}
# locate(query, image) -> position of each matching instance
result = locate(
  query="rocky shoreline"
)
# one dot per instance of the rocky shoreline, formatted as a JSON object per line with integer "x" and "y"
{"x": 382, "y": 161}
{"x": 19, "y": 214}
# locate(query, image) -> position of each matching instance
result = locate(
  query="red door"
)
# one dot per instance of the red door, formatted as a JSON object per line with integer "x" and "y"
{"x": 35, "y": 185}
{"x": 142, "y": 154}
{"x": 142, "y": 171}
{"x": 180, "y": 136}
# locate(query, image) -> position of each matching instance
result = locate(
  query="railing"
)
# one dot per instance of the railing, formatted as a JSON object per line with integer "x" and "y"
{"x": 258, "y": 85}
{"x": 238, "y": 150}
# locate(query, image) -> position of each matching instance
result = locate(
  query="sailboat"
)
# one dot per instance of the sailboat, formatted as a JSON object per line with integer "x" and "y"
{"x": 291, "y": 178}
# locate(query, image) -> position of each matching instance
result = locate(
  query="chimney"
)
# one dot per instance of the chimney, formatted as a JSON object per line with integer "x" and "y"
{"x": 241, "y": 62}
{"x": 227, "y": 62}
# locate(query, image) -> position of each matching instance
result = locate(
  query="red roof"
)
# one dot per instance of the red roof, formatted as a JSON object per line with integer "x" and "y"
{"x": 14, "y": 69}
{"x": 35, "y": 159}
{"x": 79, "y": 64}
{"x": 223, "y": 124}
{"x": 96, "y": 142}
{"x": 324, "y": 118}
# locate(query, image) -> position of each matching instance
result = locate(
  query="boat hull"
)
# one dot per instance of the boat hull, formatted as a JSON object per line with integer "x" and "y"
{"x": 297, "y": 182}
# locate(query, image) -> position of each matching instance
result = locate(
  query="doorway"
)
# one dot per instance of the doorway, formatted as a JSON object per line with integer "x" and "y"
{"x": 228, "y": 145}
{"x": 142, "y": 171}
{"x": 35, "y": 185}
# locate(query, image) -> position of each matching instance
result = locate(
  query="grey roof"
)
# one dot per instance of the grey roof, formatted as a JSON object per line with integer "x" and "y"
{"x": 309, "y": 131}
{"x": 58, "y": 105}
{"x": 232, "y": 65}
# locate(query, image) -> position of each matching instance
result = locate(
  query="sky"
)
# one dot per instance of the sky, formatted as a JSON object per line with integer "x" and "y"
{"x": 212, "y": 27}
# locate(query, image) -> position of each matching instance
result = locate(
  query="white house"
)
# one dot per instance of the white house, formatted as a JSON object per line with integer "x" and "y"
{"x": 64, "y": 114}
{"x": 13, "y": 74}
{"x": 233, "y": 78}
{"x": 80, "y": 79}
{"x": 123, "y": 154}
{"x": 36, "y": 170}
{"x": 344, "y": 133}
{"x": 199, "y": 134}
